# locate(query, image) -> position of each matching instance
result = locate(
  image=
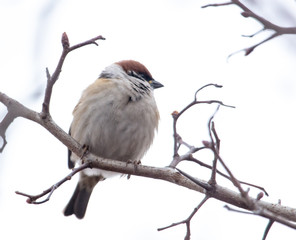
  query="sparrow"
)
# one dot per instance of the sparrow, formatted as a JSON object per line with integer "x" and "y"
{"x": 116, "y": 118}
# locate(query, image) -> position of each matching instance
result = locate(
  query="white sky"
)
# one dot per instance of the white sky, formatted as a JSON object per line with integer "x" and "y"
{"x": 184, "y": 47}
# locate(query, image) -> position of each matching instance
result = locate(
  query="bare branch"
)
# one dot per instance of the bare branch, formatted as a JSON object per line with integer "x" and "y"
{"x": 32, "y": 198}
{"x": 217, "y": 4}
{"x": 254, "y": 34}
{"x": 187, "y": 220}
{"x": 267, "y": 214}
{"x": 235, "y": 182}
{"x": 51, "y": 79}
{"x": 215, "y": 145}
{"x": 15, "y": 109}
{"x": 166, "y": 174}
{"x": 274, "y": 212}
{"x": 205, "y": 86}
{"x": 200, "y": 183}
{"x": 237, "y": 210}
{"x": 268, "y": 227}
{"x": 278, "y": 30}
{"x": 192, "y": 159}
{"x": 176, "y": 115}
{"x": 252, "y": 204}
{"x": 88, "y": 42}
{"x": 251, "y": 49}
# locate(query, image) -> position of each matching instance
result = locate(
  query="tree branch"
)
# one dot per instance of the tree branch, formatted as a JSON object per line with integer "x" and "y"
{"x": 210, "y": 187}
{"x": 278, "y": 30}
{"x": 51, "y": 80}
{"x": 177, "y": 138}
{"x": 241, "y": 199}
{"x": 32, "y": 198}
{"x": 170, "y": 175}
{"x": 187, "y": 220}
{"x": 15, "y": 109}
{"x": 167, "y": 174}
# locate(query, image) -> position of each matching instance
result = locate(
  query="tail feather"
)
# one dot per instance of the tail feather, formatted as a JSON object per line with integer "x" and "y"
{"x": 79, "y": 200}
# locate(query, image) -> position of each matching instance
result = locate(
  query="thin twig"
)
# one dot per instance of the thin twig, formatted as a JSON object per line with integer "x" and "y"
{"x": 254, "y": 34}
{"x": 278, "y": 30}
{"x": 176, "y": 115}
{"x": 51, "y": 79}
{"x": 235, "y": 182}
{"x": 202, "y": 184}
{"x": 32, "y": 198}
{"x": 237, "y": 210}
{"x": 215, "y": 145}
{"x": 268, "y": 227}
{"x": 252, "y": 48}
{"x": 207, "y": 85}
{"x": 187, "y": 220}
{"x": 217, "y": 4}
{"x": 192, "y": 159}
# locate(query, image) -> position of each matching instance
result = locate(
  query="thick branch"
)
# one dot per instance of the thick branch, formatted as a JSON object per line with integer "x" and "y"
{"x": 166, "y": 174}
{"x": 170, "y": 175}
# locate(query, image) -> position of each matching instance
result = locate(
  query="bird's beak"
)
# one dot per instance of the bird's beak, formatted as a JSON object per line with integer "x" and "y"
{"x": 155, "y": 84}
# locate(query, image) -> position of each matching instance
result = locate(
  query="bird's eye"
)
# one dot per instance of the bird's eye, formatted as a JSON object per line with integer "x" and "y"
{"x": 143, "y": 76}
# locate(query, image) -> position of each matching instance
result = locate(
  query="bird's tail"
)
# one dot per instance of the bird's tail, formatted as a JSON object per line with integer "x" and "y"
{"x": 79, "y": 200}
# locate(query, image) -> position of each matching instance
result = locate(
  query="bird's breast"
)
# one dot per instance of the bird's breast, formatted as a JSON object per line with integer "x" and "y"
{"x": 115, "y": 127}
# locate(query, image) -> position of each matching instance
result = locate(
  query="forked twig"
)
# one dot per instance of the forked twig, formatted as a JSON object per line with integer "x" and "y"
{"x": 32, "y": 198}
{"x": 16, "y": 109}
{"x": 51, "y": 79}
{"x": 267, "y": 25}
{"x": 187, "y": 220}
{"x": 176, "y": 115}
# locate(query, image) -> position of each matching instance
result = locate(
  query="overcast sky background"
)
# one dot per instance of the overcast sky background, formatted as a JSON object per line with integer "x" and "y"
{"x": 184, "y": 47}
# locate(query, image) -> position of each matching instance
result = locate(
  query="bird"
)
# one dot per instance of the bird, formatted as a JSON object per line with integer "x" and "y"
{"x": 115, "y": 118}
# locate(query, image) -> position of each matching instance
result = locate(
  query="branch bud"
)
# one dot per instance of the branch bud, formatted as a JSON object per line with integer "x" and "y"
{"x": 207, "y": 144}
{"x": 65, "y": 41}
{"x": 249, "y": 50}
{"x": 245, "y": 14}
{"x": 175, "y": 113}
{"x": 260, "y": 195}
